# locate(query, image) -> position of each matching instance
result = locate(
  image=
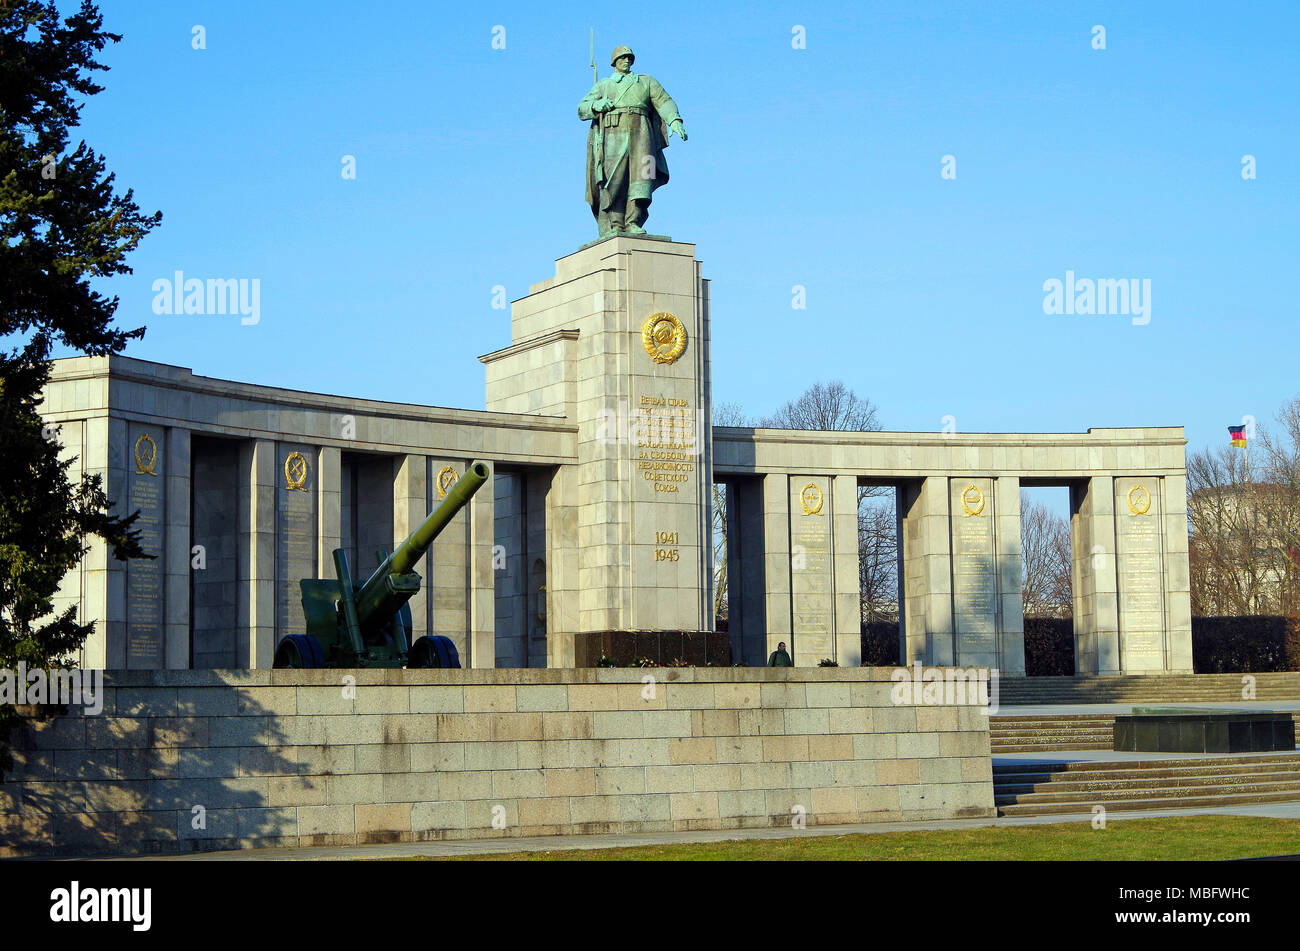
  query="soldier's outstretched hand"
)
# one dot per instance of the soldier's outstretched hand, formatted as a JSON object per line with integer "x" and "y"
{"x": 678, "y": 128}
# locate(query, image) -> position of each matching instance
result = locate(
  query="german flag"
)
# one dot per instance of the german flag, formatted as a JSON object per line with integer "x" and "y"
{"x": 1238, "y": 434}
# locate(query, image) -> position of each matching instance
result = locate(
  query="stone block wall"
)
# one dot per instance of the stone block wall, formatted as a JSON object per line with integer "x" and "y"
{"x": 200, "y": 760}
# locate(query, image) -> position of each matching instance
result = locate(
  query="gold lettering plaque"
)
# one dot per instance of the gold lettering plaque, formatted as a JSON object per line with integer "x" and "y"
{"x": 296, "y": 471}
{"x": 663, "y": 337}
{"x": 972, "y": 500}
{"x": 1139, "y": 500}
{"x": 447, "y": 477}
{"x": 146, "y": 456}
{"x": 811, "y": 499}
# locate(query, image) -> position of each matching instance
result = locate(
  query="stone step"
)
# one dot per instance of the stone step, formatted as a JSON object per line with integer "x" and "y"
{"x": 1071, "y": 747}
{"x": 1143, "y": 805}
{"x": 1128, "y": 795}
{"x": 1060, "y": 766}
{"x": 1239, "y": 782}
{"x": 1171, "y": 774}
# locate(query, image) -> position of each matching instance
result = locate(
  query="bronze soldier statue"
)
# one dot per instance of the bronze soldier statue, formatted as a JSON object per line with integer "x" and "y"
{"x": 631, "y": 117}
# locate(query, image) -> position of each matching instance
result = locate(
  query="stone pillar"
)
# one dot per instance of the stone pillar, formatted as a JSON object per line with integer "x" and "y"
{"x": 257, "y": 595}
{"x": 778, "y": 607}
{"x": 147, "y": 476}
{"x": 1178, "y": 604}
{"x": 71, "y": 592}
{"x": 1140, "y": 561}
{"x": 329, "y": 530}
{"x": 812, "y": 593}
{"x": 481, "y": 593}
{"x": 1094, "y": 577}
{"x": 1010, "y": 569}
{"x": 100, "y": 571}
{"x": 410, "y": 508}
{"x": 927, "y": 573}
{"x": 636, "y": 386}
{"x": 447, "y": 571}
{"x": 847, "y": 584}
{"x": 177, "y": 547}
{"x": 563, "y": 557}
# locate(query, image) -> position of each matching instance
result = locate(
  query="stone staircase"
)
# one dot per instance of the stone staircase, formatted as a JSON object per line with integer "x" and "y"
{"x": 1156, "y": 688}
{"x": 1043, "y": 788}
{"x": 1042, "y": 734}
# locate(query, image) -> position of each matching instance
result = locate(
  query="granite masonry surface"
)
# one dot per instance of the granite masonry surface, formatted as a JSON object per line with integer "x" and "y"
{"x": 202, "y": 760}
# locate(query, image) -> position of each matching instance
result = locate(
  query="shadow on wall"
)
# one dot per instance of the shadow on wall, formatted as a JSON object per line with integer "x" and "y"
{"x": 157, "y": 771}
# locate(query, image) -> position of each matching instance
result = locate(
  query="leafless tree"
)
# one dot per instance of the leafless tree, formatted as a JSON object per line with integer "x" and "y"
{"x": 1244, "y": 523}
{"x": 826, "y": 407}
{"x": 1045, "y": 548}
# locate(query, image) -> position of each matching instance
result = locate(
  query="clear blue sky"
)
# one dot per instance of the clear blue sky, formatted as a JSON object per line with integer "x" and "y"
{"x": 818, "y": 167}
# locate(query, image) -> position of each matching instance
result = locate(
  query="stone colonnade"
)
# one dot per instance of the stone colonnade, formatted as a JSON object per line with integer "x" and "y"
{"x": 601, "y": 514}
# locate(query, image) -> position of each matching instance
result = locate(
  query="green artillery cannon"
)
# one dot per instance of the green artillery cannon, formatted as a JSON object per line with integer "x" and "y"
{"x": 369, "y": 625}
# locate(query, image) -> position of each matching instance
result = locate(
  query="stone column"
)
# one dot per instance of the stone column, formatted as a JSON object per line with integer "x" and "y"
{"x": 446, "y": 567}
{"x": 1178, "y": 605}
{"x": 410, "y": 508}
{"x": 563, "y": 557}
{"x": 329, "y": 490}
{"x": 1140, "y": 563}
{"x": 848, "y": 598}
{"x": 1011, "y": 624}
{"x": 812, "y": 592}
{"x": 177, "y": 545}
{"x": 102, "y": 575}
{"x": 257, "y": 595}
{"x": 147, "y": 475}
{"x": 481, "y": 593}
{"x": 778, "y": 607}
{"x": 927, "y": 573}
{"x": 1096, "y": 606}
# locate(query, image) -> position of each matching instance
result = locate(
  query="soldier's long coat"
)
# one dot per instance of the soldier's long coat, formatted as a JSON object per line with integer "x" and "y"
{"x": 622, "y": 145}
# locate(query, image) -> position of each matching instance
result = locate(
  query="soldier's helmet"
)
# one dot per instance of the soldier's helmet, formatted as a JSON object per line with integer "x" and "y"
{"x": 621, "y": 51}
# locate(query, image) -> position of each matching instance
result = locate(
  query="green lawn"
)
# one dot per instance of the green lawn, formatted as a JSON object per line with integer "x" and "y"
{"x": 1190, "y": 837}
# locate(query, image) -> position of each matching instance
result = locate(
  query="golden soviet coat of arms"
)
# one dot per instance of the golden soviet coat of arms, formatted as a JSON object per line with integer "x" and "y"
{"x": 811, "y": 499}
{"x": 663, "y": 337}
{"x": 447, "y": 477}
{"x": 296, "y": 471}
{"x": 972, "y": 500}
{"x": 1139, "y": 500}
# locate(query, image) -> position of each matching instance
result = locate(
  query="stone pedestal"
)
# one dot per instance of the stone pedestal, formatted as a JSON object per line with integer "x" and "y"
{"x": 617, "y": 341}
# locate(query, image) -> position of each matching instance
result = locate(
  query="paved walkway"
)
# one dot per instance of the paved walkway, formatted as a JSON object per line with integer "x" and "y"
{"x": 1281, "y": 810}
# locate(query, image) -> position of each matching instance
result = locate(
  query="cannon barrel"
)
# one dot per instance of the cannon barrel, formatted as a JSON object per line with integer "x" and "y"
{"x": 394, "y": 583}
{"x": 413, "y": 549}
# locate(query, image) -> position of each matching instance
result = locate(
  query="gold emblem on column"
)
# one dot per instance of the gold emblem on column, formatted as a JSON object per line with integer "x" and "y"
{"x": 1139, "y": 500}
{"x": 972, "y": 500}
{"x": 447, "y": 477}
{"x": 146, "y": 456}
{"x": 295, "y": 472}
{"x": 811, "y": 499}
{"x": 663, "y": 337}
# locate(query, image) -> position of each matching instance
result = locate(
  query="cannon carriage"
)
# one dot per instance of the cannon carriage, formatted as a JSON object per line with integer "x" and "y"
{"x": 353, "y": 625}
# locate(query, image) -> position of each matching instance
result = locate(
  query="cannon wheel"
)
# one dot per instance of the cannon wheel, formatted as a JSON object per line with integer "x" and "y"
{"x": 436, "y": 652}
{"x": 299, "y": 651}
